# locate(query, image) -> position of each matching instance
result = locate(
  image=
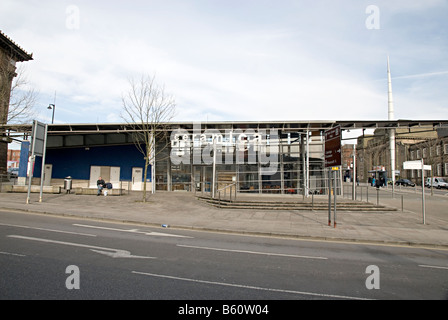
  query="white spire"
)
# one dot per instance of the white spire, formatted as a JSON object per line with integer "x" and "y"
{"x": 390, "y": 103}
{"x": 391, "y": 131}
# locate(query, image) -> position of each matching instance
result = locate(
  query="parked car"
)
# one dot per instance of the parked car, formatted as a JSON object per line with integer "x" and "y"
{"x": 13, "y": 172}
{"x": 436, "y": 182}
{"x": 405, "y": 182}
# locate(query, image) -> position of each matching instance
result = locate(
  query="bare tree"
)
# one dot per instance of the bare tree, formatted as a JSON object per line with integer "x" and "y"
{"x": 22, "y": 98}
{"x": 147, "y": 109}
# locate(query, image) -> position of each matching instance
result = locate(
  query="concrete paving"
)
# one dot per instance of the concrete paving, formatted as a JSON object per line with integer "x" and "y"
{"x": 183, "y": 210}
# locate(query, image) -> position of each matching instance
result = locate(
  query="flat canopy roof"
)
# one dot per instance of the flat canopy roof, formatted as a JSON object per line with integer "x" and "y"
{"x": 293, "y": 126}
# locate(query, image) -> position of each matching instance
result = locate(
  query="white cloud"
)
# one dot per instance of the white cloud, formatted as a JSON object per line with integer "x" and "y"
{"x": 235, "y": 60}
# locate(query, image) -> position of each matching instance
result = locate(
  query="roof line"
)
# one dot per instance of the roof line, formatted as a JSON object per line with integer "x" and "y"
{"x": 90, "y": 128}
{"x": 18, "y": 52}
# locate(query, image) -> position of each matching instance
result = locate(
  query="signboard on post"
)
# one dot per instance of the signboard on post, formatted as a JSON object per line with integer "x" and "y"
{"x": 38, "y": 146}
{"x": 419, "y": 165}
{"x": 333, "y": 147}
{"x": 415, "y": 165}
{"x": 333, "y": 160}
{"x": 38, "y": 138}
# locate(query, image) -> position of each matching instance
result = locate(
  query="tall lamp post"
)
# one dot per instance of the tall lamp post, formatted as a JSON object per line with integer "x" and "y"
{"x": 52, "y": 106}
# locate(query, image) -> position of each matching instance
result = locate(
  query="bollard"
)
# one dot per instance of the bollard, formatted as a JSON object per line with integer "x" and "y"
{"x": 312, "y": 201}
{"x": 377, "y": 197}
{"x": 367, "y": 194}
{"x": 402, "y": 203}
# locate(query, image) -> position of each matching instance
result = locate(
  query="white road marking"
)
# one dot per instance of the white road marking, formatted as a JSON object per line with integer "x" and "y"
{"x": 333, "y": 296}
{"x": 121, "y": 254}
{"x": 254, "y": 252}
{"x": 133, "y": 231}
{"x": 12, "y": 254}
{"x": 44, "y": 229}
{"x": 115, "y": 253}
{"x": 434, "y": 267}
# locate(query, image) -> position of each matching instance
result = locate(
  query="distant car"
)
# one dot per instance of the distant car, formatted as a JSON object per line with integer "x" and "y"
{"x": 436, "y": 182}
{"x": 13, "y": 172}
{"x": 405, "y": 182}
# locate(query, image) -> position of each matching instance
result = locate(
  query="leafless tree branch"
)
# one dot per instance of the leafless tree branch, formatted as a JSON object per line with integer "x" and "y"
{"x": 22, "y": 98}
{"x": 148, "y": 108}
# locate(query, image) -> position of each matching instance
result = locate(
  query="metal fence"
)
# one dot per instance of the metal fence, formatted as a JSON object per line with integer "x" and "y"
{"x": 371, "y": 194}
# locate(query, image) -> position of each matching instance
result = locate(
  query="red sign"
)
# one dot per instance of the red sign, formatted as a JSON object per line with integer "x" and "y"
{"x": 333, "y": 147}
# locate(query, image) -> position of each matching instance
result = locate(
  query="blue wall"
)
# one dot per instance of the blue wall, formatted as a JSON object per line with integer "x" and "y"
{"x": 76, "y": 162}
{"x": 23, "y": 162}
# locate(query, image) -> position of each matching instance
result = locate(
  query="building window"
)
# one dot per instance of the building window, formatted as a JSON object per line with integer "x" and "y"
{"x": 439, "y": 169}
{"x": 424, "y": 152}
{"x": 431, "y": 151}
{"x": 412, "y": 155}
{"x": 418, "y": 153}
{"x": 445, "y": 148}
{"x": 446, "y": 168}
{"x": 438, "y": 151}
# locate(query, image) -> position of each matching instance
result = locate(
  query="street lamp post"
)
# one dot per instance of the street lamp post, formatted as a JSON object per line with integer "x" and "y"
{"x": 52, "y": 106}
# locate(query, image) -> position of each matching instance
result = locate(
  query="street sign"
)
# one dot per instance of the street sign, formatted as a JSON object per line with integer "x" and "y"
{"x": 38, "y": 138}
{"x": 419, "y": 165}
{"x": 333, "y": 147}
{"x": 333, "y": 160}
{"x": 38, "y": 145}
{"x": 415, "y": 165}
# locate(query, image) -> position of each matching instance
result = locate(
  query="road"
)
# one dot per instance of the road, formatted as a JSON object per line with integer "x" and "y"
{"x": 51, "y": 257}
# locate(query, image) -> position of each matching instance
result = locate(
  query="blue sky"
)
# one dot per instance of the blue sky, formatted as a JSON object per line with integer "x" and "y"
{"x": 236, "y": 60}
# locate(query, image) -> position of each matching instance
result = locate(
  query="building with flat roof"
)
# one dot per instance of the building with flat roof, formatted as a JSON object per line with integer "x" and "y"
{"x": 284, "y": 157}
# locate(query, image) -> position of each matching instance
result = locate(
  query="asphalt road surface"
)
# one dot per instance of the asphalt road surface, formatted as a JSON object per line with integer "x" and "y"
{"x": 50, "y": 257}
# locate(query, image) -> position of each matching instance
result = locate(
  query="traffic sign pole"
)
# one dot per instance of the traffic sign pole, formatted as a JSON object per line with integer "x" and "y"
{"x": 423, "y": 192}
{"x": 31, "y": 162}
{"x": 38, "y": 145}
{"x": 334, "y": 197}
{"x": 329, "y": 197}
{"x": 419, "y": 165}
{"x": 333, "y": 160}
{"x": 42, "y": 172}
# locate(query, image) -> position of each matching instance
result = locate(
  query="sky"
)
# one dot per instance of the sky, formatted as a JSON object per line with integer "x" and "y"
{"x": 228, "y": 60}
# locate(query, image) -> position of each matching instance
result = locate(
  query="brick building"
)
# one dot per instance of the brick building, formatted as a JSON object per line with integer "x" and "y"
{"x": 413, "y": 143}
{"x": 13, "y": 158}
{"x": 10, "y": 54}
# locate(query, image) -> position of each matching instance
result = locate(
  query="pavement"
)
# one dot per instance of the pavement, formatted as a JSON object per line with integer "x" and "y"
{"x": 183, "y": 210}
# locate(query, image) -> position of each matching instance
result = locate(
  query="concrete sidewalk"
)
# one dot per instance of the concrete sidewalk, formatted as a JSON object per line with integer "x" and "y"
{"x": 183, "y": 210}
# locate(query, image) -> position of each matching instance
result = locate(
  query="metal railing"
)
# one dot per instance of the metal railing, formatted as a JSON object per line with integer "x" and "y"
{"x": 232, "y": 189}
{"x": 376, "y": 196}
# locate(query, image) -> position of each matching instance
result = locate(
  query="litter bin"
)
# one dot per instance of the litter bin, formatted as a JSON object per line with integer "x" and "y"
{"x": 68, "y": 184}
